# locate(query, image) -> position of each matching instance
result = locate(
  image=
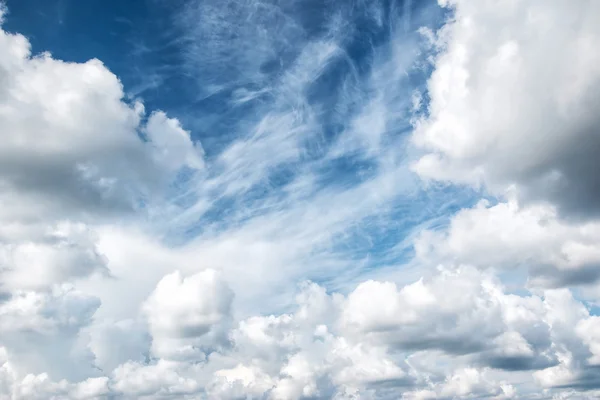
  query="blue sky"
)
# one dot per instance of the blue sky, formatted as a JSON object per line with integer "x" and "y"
{"x": 299, "y": 199}
{"x": 221, "y": 82}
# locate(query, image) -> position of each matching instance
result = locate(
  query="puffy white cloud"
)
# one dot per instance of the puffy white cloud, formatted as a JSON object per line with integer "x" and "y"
{"x": 41, "y": 331}
{"x": 74, "y": 153}
{"x": 188, "y": 316}
{"x": 75, "y": 141}
{"x": 239, "y": 382}
{"x": 64, "y": 252}
{"x": 331, "y": 347}
{"x": 348, "y": 350}
{"x": 42, "y": 387}
{"x": 572, "y": 336}
{"x": 91, "y": 388}
{"x": 173, "y": 146}
{"x": 589, "y": 330}
{"x": 514, "y": 107}
{"x": 163, "y": 379}
{"x": 46, "y": 312}
{"x": 514, "y": 101}
{"x": 506, "y": 236}
{"x": 557, "y": 253}
{"x": 465, "y": 383}
{"x": 439, "y": 314}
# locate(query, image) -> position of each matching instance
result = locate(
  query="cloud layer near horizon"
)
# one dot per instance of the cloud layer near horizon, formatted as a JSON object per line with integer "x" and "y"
{"x": 136, "y": 264}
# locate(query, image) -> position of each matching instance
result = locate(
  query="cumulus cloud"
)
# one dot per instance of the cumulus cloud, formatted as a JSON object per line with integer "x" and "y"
{"x": 173, "y": 147}
{"x": 514, "y": 101}
{"x": 74, "y": 142}
{"x": 44, "y": 313}
{"x": 576, "y": 366}
{"x": 41, "y": 331}
{"x": 162, "y": 379}
{"x": 330, "y": 346}
{"x": 465, "y": 383}
{"x": 64, "y": 251}
{"x": 507, "y": 236}
{"x": 72, "y": 154}
{"x": 188, "y": 317}
{"x": 513, "y": 107}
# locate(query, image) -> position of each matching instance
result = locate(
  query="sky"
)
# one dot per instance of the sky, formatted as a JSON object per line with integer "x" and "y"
{"x": 299, "y": 199}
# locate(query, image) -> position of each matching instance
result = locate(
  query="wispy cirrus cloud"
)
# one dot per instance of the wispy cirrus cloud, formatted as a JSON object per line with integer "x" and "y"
{"x": 324, "y": 125}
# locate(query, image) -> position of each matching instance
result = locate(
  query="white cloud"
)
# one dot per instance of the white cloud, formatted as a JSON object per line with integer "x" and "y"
{"x": 41, "y": 332}
{"x": 114, "y": 343}
{"x": 64, "y": 252}
{"x": 135, "y": 380}
{"x": 507, "y": 236}
{"x": 513, "y": 107}
{"x": 565, "y": 315}
{"x": 589, "y": 330}
{"x": 188, "y": 317}
{"x": 72, "y": 154}
{"x": 239, "y": 382}
{"x": 173, "y": 146}
{"x": 71, "y": 157}
{"x": 514, "y": 101}
{"x": 468, "y": 382}
{"x": 330, "y": 346}
{"x": 46, "y": 312}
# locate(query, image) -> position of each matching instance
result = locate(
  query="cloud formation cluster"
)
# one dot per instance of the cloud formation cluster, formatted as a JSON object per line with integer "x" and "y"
{"x": 96, "y": 304}
{"x": 455, "y": 334}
